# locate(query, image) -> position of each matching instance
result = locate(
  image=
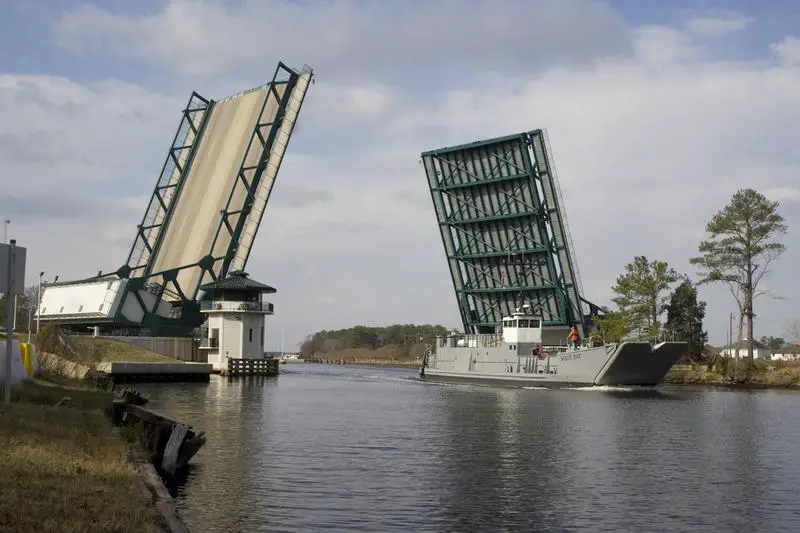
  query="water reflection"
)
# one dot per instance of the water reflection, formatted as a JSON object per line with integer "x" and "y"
{"x": 349, "y": 449}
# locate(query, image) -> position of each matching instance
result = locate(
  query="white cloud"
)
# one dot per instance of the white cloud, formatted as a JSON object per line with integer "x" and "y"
{"x": 717, "y": 26}
{"x": 349, "y": 37}
{"x": 650, "y": 135}
{"x": 788, "y": 50}
{"x": 786, "y": 195}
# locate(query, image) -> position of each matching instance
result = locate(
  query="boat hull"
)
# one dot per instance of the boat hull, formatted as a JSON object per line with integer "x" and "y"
{"x": 491, "y": 380}
{"x": 626, "y": 364}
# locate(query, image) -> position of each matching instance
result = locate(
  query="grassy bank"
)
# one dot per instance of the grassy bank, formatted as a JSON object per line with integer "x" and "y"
{"x": 89, "y": 351}
{"x": 61, "y": 468}
{"x": 727, "y": 373}
{"x": 113, "y": 351}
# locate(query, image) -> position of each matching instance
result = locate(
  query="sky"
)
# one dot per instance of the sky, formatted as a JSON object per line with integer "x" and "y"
{"x": 657, "y": 113}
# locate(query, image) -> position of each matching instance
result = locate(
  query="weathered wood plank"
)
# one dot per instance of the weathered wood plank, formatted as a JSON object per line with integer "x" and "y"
{"x": 169, "y": 443}
{"x": 169, "y": 461}
{"x": 150, "y": 415}
{"x": 164, "y": 503}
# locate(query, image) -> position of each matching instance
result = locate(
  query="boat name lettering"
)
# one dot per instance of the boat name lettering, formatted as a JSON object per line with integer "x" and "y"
{"x": 570, "y": 356}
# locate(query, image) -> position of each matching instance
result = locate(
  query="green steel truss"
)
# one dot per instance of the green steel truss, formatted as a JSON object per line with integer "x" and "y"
{"x": 169, "y": 185}
{"x": 248, "y": 179}
{"x": 504, "y": 231}
{"x": 155, "y": 223}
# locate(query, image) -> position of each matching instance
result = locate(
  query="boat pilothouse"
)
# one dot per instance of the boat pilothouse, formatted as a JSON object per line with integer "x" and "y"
{"x": 522, "y": 331}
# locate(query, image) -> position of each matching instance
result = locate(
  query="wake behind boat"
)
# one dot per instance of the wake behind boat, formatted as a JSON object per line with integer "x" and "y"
{"x": 517, "y": 357}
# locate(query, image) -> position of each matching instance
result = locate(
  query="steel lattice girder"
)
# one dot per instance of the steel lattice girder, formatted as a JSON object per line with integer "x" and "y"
{"x": 230, "y": 242}
{"x": 169, "y": 184}
{"x": 504, "y": 230}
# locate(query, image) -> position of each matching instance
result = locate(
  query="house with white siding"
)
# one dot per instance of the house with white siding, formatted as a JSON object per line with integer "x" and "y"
{"x": 739, "y": 350}
{"x": 790, "y": 352}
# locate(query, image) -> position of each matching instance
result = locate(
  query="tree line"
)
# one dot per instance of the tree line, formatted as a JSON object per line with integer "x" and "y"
{"x": 26, "y": 309}
{"x": 403, "y": 336}
{"x": 742, "y": 241}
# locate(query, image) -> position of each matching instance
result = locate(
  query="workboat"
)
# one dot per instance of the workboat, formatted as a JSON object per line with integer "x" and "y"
{"x": 516, "y": 356}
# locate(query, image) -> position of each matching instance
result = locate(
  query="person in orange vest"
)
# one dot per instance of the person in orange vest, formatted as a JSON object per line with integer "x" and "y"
{"x": 572, "y": 337}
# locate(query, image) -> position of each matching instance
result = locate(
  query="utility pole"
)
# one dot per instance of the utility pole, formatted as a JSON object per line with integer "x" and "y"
{"x": 730, "y": 335}
{"x": 9, "y": 331}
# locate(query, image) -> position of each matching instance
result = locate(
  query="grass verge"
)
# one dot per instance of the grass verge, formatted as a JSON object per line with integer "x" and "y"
{"x": 89, "y": 351}
{"x": 727, "y": 372}
{"x": 114, "y": 351}
{"x": 61, "y": 468}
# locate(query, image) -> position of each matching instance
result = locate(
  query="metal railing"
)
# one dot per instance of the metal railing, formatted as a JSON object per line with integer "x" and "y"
{"x": 255, "y": 307}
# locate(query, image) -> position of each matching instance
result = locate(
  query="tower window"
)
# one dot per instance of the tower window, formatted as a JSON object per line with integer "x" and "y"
{"x": 251, "y": 334}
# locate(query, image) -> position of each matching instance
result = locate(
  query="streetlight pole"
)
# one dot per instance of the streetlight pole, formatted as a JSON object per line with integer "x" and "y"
{"x": 30, "y": 319}
{"x": 5, "y": 241}
{"x": 9, "y": 338}
{"x": 38, "y": 300}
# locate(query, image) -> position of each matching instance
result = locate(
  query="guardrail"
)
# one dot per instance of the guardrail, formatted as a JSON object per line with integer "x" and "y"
{"x": 253, "y": 307}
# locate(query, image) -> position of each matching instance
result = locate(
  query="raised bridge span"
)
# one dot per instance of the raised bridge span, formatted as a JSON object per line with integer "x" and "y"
{"x": 202, "y": 217}
{"x": 498, "y": 204}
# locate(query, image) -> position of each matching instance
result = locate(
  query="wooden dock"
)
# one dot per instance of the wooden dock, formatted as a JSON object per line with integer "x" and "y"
{"x": 150, "y": 372}
{"x": 251, "y": 367}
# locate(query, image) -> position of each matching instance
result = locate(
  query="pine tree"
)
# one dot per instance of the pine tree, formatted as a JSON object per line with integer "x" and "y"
{"x": 641, "y": 295}
{"x": 685, "y": 316}
{"x": 742, "y": 242}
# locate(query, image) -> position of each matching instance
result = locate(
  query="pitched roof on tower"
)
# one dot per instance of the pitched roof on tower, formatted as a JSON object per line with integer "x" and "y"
{"x": 238, "y": 280}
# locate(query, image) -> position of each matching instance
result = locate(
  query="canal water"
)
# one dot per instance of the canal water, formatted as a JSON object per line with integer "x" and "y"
{"x": 333, "y": 448}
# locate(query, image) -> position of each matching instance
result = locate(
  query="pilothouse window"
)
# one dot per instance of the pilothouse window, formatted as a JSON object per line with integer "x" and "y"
{"x": 523, "y": 323}
{"x": 534, "y": 323}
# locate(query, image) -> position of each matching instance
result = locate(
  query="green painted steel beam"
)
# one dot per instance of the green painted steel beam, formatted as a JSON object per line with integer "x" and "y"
{"x": 490, "y": 181}
{"x": 451, "y": 221}
{"x": 530, "y": 288}
{"x": 468, "y": 180}
{"x": 545, "y": 322}
{"x": 257, "y": 171}
{"x": 143, "y": 240}
{"x": 476, "y": 144}
{"x": 487, "y": 255}
{"x": 200, "y": 128}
